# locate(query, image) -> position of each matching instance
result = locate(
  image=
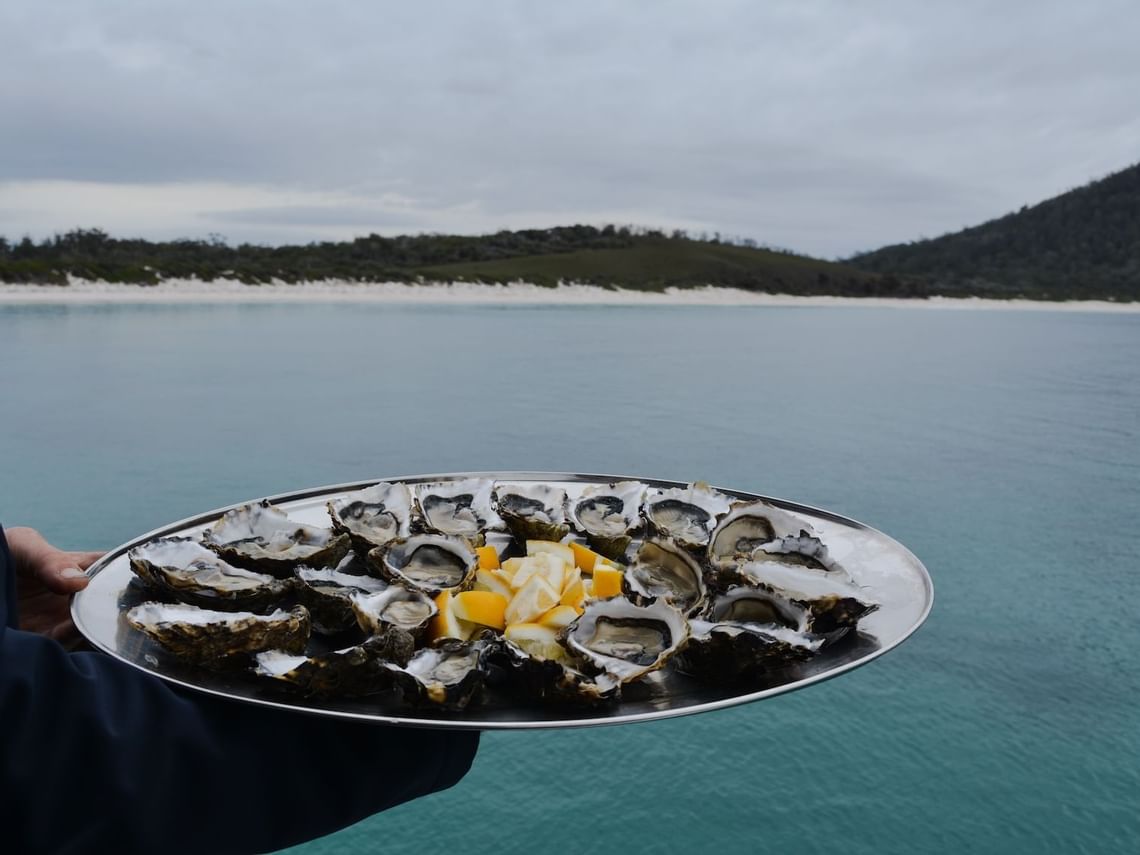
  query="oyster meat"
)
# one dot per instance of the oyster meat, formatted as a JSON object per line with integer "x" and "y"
{"x": 609, "y": 515}
{"x": 208, "y": 637}
{"x": 327, "y": 592}
{"x": 664, "y": 570}
{"x": 533, "y": 511}
{"x": 397, "y": 606}
{"x": 262, "y": 536}
{"x": 191, "y": 573}
{"x": 427, "y": 562}
{"x": 623, "y": 641}
{"x": 458, "y": 508}
{"x": 373, "y": 516}
{"x": 686, "y": 515}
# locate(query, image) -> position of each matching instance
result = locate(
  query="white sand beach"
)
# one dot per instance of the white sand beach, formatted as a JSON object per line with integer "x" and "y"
{"x": 80, "y": 291}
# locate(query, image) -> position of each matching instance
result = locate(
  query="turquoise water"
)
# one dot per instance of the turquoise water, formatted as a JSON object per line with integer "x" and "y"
{"x": 1001, "y": 447}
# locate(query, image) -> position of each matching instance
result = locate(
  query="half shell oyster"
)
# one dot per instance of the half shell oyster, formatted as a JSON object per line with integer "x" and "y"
{"x": 609, "y": 515}
{"x": 349, "y": 672}
{"x": 191, "y": 573}
{"x": 327, "y": 592}
{"x": 664, "y": 570}
{"x": 262, "y": 536}
{"x": 458, "y": 508}
{"x": 396, "y": 606}
{"x": 623, "y": 641}
{"x": 427, "y": 562}
{"x": 748, "y": 525}
{"x": 209, "y": 637}
{"x": 448, "y": 675}
{"x": 533, "y": 511}
{"x": 373, "y": 516}
{"x": 687, "y": 515}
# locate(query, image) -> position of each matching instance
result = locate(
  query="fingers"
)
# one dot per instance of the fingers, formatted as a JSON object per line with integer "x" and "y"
{"x": 60, "y": 574}
{"x": 83, "y": 560}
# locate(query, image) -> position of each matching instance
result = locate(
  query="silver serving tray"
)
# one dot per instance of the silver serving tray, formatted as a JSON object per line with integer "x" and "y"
{"x": 891, "y": 575}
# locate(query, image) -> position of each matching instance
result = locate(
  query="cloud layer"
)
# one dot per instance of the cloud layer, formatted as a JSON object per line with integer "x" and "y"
{"x": 825, "y": 127}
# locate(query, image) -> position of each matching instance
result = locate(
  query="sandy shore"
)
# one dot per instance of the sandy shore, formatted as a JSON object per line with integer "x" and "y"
{"x": 467, "y": 293}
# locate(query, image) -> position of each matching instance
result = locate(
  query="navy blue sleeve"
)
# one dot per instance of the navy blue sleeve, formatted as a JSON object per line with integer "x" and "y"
{"x": 98, "y": 756}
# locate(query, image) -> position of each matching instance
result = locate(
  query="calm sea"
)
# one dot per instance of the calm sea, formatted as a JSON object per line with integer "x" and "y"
{"x": 1003, "y": 448}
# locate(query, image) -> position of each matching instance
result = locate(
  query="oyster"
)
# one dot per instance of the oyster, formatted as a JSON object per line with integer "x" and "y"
{"x": 545, "y": 678}
{"x": 748, "y": 525}
{"x": 349, "y": 672}
{"x": 327, "y": 592}
{"x": 448, "y": 674}
{"x": 609, "y": 515}
{"x": 191, "y": 573}
{"x": 262, "y": 536}
{"x": 623, "y": 641}
{"x": 685, "y": 514}
{"x": 664, "y": 570}
{"x": 427, "y": 562}
{"x": 396, "y": 606}
{"x": 533, "y": 511}
{"x": 373, "y": 516}
{"x": 209, "y": 637}
{"x": 835, "y": 602}
{"x": 458, "y": 508}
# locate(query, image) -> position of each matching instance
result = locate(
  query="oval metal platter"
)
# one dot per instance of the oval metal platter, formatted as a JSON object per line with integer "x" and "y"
{"x": 891, "y": 575}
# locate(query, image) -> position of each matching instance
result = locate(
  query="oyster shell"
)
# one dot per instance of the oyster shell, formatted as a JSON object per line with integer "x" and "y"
{"x": 191, "y": 573}
{"x": 541, "y": 678}
{"x": 348, "y": 672}
{"x": 327, "y": 592}
{"x": 373, "y": 516}
{"x": 533, "y": 511}
{"x": 458, "y": 508}
{"x": 427, "y": 562}
{"x": 623, "y": 641}
{"x": 835, "y": 602}
{"x": 396, "y": 606}
{"x": 687, "y": 515}
{"x": 664, "y": 570}
{"x": 609, "y": 515}
{"x": 748, "y": 525}
{"x": 262, "y": 536}
{"x": 209, "y": 638}
{"x": 448, "y": 674}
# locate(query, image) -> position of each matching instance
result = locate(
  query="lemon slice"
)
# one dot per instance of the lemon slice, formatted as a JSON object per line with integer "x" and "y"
{"x": 537, "y": 547}
{"x": 574, "y": 594}
{"x": 445, "y": 624}
{"x": 532, "y": 600}
{"x": 539, "y": 641}
{"x": 482, "y": 607}
{"x": 607, "y": 582}
{"x": 486, "y": 580}
{"x": 559, "y": 617}
{"x": 488, "y": 557}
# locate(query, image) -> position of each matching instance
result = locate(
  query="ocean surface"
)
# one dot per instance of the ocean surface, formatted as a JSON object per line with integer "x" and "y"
{"x": 1003, "y": 448}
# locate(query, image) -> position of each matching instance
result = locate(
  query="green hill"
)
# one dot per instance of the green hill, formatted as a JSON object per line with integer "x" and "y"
{"x": 609, "y": 256}
{"x": 1084, "y": 244}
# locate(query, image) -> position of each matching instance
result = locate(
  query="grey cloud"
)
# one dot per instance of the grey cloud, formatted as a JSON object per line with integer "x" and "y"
{"x": 828, "y": 127}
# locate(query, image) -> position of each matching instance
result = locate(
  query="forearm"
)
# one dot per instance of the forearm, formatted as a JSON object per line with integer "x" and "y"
{"x": 150, "y": 770}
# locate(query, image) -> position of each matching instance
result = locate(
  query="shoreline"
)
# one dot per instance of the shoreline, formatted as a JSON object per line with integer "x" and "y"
{"x": 193, "y": 291}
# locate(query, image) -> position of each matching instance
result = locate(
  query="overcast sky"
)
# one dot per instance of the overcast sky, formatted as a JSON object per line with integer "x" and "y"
{"x": 825, "y": 127}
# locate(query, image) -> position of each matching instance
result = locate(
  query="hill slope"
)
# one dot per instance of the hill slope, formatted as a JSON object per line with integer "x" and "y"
{"x": 1084, "y": 244}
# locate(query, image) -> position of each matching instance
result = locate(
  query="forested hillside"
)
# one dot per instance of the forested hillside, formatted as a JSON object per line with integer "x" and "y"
{"x": 1084, "y": 244}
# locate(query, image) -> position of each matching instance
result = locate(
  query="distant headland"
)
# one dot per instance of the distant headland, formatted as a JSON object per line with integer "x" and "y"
{"x": 1083, "y": 245}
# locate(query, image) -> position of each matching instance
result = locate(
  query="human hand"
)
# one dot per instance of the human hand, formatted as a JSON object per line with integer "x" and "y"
{"x": 46, "y": 578}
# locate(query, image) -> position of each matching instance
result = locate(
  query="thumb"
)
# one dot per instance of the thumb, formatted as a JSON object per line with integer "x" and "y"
{"x": 62, "y": 576}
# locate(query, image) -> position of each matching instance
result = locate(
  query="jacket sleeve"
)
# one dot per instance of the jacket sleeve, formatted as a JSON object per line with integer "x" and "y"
{"x": 98, "y": 756}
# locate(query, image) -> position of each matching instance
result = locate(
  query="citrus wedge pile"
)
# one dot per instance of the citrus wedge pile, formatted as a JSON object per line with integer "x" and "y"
{"x": 530, "y": 598}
